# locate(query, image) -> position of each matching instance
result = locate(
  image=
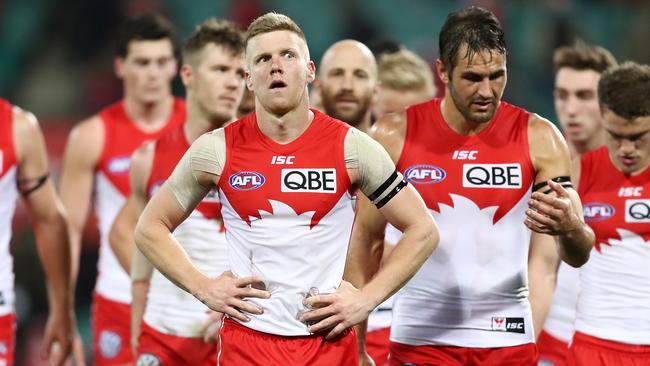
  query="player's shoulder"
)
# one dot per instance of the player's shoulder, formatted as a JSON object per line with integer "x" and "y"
{"x": 86, "y": 140}
{"x": 91, "y": 128}
{"x": 541, "y": 128}
{"x": 24, "y": 123}
{"x": 389, "y": 127}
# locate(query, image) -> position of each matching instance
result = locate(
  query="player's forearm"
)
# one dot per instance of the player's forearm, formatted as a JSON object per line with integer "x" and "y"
{"x": 416, "y": 245}
{"x": 361, "y": 330}
{"x": 542, "y": 287}
{"x": 156, "y": 242}
{"x": 139, "y": 290}
{"x": 576, "y": 245}
{"x": 53, "y": 248}
{"x": 122, "y": 243}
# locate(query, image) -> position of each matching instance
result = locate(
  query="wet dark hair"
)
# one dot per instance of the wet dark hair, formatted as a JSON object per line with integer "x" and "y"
{"x": 475, "y": 27}
{"x": 148, "y": 27}
{"x": 624, "y": 90}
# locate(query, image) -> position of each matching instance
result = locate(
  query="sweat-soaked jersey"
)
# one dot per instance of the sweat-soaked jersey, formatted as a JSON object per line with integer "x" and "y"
{"x": 473, "y": 290}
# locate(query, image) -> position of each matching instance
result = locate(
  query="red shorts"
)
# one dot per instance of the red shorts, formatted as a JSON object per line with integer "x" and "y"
{"x": 156, "y": 348}
{"x": 592, "y": 351}
{"x": 241, "y": 346}
{"x": 7, "y": 339}
{"x": 111, "y": 332}
{"x": 401, "y": 354}
{"x": 552, "y": 351}
{"x": 378, "y": 345}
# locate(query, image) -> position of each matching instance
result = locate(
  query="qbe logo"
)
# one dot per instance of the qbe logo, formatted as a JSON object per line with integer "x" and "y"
{"x": 424, "y": 174}
{"x": 309, "y": 180}
{"x": 597, "y": 211}
{"x": 637, "y": 211}
{"x": 246, "y": 181}
{"x": 492, "y": 176}
{"x": 511, "y": 325}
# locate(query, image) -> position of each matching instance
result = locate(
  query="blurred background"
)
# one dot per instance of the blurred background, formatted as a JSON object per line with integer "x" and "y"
{"x": 56, "y": 60}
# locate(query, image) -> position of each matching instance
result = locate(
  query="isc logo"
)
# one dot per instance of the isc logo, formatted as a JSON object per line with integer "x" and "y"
{"x": 630, "y": 191}
{"x": 119, "y": 165}
{"x": 309, "y": 180}
{"x": 282, "y": 160}
{"x": 492, "y": 176}
{"x": 597, "y": 211}
{"x": 424, "y": 174}
{"x": 246, "y": 181}
{"x": 465, "y": 155}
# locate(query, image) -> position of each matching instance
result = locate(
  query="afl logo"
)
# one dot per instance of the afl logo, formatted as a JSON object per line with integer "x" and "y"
{"x": 246, "y": 181}
{"x": 119, "y": 165}
{"x": 597, "y": 211}
{"x": 424, "y": 174}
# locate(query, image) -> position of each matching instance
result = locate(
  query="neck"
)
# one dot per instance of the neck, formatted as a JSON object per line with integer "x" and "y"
{"x": 365, "y": 123}
{"x": 578, "y": 148}
{"x": 286, "y": 127}
{"x": 149, "y": 116}
{"x": 198, "y": 122}
{"x": 456, "y": 121}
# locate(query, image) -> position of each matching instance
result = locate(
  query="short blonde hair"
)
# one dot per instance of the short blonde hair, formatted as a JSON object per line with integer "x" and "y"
{"x": 271, "y": 22}
{"x": 405, "y": 71}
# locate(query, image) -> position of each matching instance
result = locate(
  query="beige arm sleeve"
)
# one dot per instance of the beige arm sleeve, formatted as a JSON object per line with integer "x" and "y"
{"x": 378, "y": 178}
{"x": 207, "y": 154}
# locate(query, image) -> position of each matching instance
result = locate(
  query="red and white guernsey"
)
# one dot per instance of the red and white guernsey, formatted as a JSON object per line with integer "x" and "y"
{"x": 614, "y": 301}
{"x": 473, "y": 290}
{"x": 288, "y": 213}
{"x": 171, "y": 310}
{"x": 121, "y": 138}
{"x": 8, "y": 197}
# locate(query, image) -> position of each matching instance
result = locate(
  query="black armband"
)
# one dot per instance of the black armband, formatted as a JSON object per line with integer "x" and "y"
{"x": 564, "y": 181}
{"x": 38, "y": 183}
{"x": 387, "y": 190}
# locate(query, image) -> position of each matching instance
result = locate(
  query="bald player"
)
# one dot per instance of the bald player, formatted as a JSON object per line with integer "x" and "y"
{"x": 347, "y": 82}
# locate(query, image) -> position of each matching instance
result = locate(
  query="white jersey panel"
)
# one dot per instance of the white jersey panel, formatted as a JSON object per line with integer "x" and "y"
{"x": 8, "y": 197}
{"x": 614, "y": 301}
{"x": 472, "y": 292}
{"x": 287, "y": 258}
{"x": 113, "y": 282}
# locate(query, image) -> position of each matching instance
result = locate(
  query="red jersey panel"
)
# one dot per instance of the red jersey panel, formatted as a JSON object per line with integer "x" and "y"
{"x": 472, "y": 292}
{"x": 122, "y": 137}
{"x": 169, "y": 150}
{"x": 288, "y": 214}
{"x": 614, "y": 300}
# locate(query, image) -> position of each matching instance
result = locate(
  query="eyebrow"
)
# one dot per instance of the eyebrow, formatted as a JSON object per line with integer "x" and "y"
{"x": 495, "y": 74}
{"x": 631, "y": 137}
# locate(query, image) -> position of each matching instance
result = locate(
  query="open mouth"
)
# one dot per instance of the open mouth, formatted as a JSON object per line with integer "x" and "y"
{"x": 278, "y": 84}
